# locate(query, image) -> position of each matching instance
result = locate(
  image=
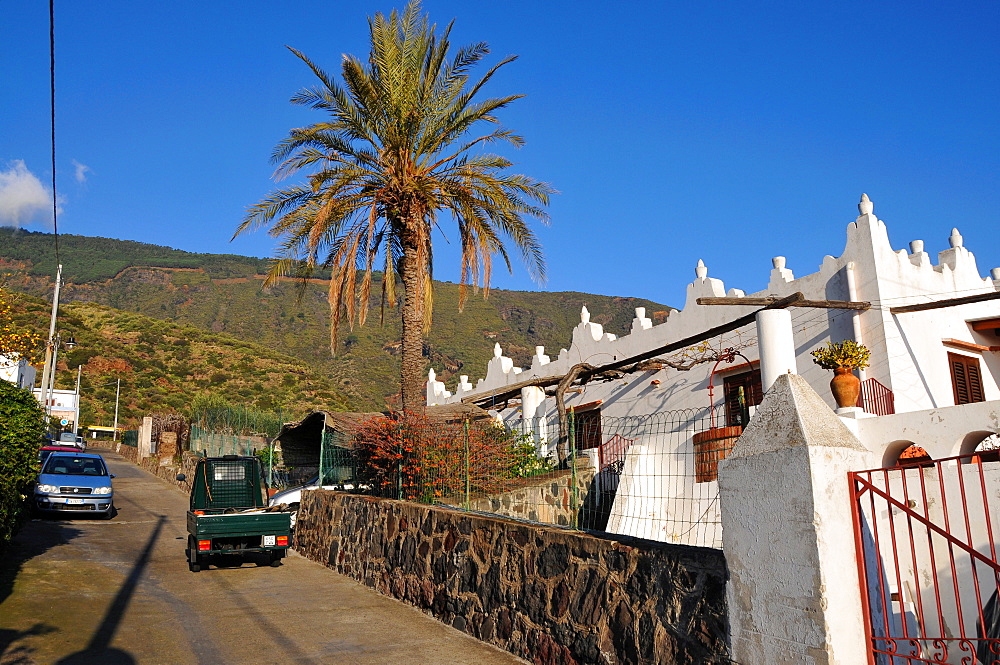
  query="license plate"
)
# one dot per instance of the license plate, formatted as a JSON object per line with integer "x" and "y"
{"x": 77, "y": 502}
{"x": 268, "y": 541}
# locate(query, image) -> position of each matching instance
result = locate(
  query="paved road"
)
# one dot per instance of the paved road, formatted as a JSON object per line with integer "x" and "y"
{"x": 119, "y": 592}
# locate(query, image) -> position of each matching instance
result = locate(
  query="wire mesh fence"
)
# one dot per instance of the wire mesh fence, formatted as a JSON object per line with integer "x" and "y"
{"x": 130, "y": 438}
{"x": 235, "y": 430}
{"x": 652, "y": 477}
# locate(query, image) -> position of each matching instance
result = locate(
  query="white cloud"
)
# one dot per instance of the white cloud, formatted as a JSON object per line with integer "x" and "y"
{"x": 81, "y": 171}
{"x": 23, "y": 198}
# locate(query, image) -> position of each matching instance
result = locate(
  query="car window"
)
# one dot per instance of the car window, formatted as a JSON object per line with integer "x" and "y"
{"x": 75, "y": 466}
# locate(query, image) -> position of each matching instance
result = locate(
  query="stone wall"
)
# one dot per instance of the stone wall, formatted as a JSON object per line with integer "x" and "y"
{"x": 548, "y": 499}
{"x": 131, "y": 453}
{"x": 166, "y": 468}
{"x": 550, "y": 595}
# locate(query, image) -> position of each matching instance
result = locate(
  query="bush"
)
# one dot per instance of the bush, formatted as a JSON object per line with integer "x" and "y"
{"x": 22, "y": 423}
{"x": 410, "y": 457}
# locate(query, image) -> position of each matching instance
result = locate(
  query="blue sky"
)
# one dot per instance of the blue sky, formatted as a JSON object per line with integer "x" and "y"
{"x": 729, "y": 132}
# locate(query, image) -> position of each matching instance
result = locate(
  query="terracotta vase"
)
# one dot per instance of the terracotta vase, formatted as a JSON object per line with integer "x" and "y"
{"x": 711, "y": 447}
{"x": 845, "y": 387}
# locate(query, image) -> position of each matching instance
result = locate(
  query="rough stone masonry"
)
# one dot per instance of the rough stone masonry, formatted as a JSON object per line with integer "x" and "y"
{"x": 550, "y": 595}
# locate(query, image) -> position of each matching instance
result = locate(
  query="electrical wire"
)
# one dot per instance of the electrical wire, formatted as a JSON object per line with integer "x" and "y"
{"x": 52, "y": 109}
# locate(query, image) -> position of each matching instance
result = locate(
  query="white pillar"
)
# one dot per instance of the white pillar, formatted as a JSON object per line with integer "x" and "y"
{"x": 531, "y": 398}
{"x": 793, "y": 591}
{"x": 776, "y": 345}
{"x": 146, "y": 438}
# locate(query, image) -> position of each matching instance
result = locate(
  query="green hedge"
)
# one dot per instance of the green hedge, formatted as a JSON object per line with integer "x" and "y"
{"x": 22, "y": 423}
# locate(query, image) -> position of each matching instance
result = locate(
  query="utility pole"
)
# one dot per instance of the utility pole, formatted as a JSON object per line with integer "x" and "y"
{"x": 49, "y": 370}
{"x": 118, "y": 391}
{"x": 76, "y": 415}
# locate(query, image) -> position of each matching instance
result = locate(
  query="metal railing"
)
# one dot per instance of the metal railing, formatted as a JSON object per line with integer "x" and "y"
{"x": 876, "y": 398}
{"x": 927, "y": 553}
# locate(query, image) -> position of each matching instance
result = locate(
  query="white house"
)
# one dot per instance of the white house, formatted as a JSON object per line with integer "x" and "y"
{"x": 932, "y": 392}
{"x": 62, "y": 405}
{"x": 17, "y": 371}
{"x": 928, "y": 359}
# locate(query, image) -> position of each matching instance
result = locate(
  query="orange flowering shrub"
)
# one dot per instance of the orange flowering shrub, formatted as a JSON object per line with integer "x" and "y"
{"x": 15, "y": 342}
{"x": 409, "y": 457}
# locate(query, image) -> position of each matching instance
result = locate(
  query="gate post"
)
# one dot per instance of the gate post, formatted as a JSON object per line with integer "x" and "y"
{"x": 793, "y": 592}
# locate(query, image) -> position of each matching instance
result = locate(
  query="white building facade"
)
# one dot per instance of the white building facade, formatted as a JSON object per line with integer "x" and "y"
{"x": 913, "y": 354}
{"x": 17, "y": 371}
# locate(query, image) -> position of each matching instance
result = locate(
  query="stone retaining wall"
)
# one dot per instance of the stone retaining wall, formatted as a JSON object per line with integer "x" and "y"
{"x": 547, "y": 499}
{"x": 550, "y": 595}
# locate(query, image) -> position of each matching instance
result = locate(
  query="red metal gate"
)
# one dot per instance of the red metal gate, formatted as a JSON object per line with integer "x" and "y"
{"x": 927, "y": 551}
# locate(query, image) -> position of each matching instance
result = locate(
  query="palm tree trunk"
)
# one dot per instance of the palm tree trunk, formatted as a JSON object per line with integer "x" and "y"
{"x": 412, "y": 364}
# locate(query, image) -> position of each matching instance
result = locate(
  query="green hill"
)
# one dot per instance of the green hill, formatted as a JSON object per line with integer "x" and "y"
{"x": 222, "y": 293}
{"x": 163, "y": 365}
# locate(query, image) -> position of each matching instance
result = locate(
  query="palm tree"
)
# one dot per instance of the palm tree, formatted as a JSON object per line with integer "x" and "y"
{"x": 402, "y": 144}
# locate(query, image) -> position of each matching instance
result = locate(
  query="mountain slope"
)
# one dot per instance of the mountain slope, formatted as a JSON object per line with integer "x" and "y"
{"x": 163, "y": 365}
{"x": 224, "y": 294}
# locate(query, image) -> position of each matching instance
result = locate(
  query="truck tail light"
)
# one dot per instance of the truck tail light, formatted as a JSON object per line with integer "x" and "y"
{"x": 204, "y": 545}
{"x": 199, "y": 512}
{"x": 282, "y": 541}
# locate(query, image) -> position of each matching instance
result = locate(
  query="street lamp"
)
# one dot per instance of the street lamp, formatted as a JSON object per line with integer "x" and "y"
{"x": 49, "y": 377}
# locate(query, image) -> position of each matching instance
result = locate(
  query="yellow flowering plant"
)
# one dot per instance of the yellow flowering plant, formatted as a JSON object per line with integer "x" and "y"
{"x": 848, "y": 354}
{"x": 15, "y": 341}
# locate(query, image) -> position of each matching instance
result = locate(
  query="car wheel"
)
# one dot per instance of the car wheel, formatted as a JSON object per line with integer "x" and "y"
{"x": 275, "y": 559}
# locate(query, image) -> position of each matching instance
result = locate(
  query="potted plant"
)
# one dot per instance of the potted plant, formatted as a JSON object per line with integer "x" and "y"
{"x": 843, "y": 358}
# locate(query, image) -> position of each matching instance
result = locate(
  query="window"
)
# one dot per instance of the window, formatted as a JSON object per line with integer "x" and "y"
{"x": 741, "y": 391}
{"x": 587, "y": 429}
{"x": 966, "y": 379}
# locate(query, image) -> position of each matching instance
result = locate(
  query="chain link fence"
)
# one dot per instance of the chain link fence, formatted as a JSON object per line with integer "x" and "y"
{"x": 652, "y": 477}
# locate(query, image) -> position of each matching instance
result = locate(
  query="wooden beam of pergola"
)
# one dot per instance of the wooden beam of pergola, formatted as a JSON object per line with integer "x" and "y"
{"x": 949, "y": 302}
{"x": 509, "y": 391}
{"x": 758, "y": 302}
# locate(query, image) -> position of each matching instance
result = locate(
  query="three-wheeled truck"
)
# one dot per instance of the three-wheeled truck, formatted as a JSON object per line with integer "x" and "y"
{"x": 229, "y": 517}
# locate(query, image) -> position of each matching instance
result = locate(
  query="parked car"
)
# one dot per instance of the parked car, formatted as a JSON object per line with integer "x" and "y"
{"x": 293, "y": 495}
{"x": 45, "y": 451}
{"x": 75, "y": 482}
{"x": 68, "y": 438}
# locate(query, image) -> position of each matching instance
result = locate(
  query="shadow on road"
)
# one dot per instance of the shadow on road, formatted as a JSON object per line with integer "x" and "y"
{"x": 35, "y": 538}
{"x": 22, "y": 654}
{"x": 99, "y": 651}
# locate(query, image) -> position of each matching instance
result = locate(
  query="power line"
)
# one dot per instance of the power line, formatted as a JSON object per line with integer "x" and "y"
{"x": 52, "y": 108}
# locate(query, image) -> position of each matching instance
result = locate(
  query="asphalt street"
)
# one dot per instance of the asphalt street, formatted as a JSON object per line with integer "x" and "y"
{"x": 118, "y": 592}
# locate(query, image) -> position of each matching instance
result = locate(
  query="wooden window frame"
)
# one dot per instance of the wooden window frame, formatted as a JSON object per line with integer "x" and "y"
{"x": 966, "y": 378}
{"x": 730, "y": 385}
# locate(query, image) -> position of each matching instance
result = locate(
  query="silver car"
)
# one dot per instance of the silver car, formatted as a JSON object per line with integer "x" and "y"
{"x": 75, "y": 482}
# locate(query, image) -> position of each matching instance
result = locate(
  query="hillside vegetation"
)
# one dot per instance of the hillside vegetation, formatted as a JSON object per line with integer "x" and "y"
{"x": 163, "y": 366}
{"x": 216, "y": 293}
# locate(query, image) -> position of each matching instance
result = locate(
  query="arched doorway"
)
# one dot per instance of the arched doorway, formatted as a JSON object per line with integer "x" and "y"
{"x": 914, "y": 455}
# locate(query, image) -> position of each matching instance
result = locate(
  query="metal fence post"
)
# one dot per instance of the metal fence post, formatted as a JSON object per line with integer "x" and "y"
{"x": 322, "y": 450}
{"x": 399, "y": 463}
{"x": 573, "y": 492}
{"x": 468, "y": 480}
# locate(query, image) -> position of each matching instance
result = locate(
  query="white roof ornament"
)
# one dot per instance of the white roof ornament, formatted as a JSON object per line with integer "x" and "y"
{"x": 866, "y": 206}
{"x": 955, "y": 238}
{"x": 497, "y": 351}
{"x": 916, "y": 246}
{"x": 431, "y": 375}
{"x": 584, "y": 315}
{"x": 778, "y": 262}
{"x": 700, "y": 271}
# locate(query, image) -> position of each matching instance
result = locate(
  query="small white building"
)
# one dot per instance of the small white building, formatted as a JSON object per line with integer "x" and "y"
{"x": 17, "y": 371}
{"x": 62, "y": 405}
